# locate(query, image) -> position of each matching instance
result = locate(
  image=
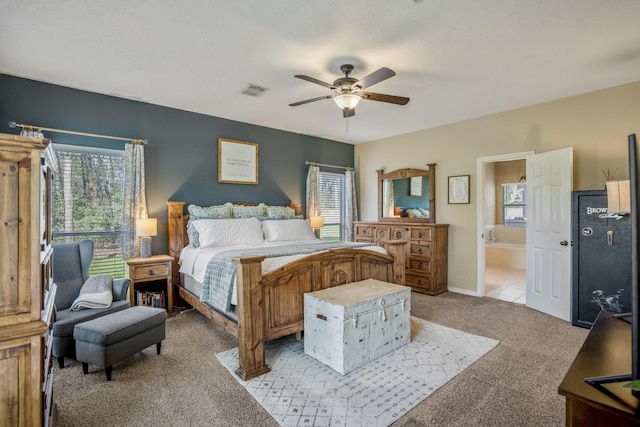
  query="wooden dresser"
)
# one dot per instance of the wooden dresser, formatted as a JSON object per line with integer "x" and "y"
{"x": 427, "y": 250}
{"x": 27, "y": 290}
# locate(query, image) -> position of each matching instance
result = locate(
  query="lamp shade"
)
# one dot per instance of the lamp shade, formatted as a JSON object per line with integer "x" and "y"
{"x": 316, "y": 221}
{"x": 347, "y": 100}
{"x": 146, "y": 227}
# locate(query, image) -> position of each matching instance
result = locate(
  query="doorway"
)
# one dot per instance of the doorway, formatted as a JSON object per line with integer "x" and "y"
{"x": 502, "y": 227}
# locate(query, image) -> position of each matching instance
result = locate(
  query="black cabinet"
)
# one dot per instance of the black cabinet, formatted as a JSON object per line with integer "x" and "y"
{"x": 601, "y": 258}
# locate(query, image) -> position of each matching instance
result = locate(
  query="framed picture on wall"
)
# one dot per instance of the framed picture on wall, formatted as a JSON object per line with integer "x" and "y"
{"x": 237, "y": 162}
{"x": 415, "y": 187}
{"x": 459, "y": 189}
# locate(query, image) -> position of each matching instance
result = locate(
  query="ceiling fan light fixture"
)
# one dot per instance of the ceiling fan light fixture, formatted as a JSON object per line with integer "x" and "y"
{"x": 347, "y": 100}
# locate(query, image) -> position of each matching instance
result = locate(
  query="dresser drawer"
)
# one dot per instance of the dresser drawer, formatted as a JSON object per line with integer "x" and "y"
{"x": 381, "y": 233}
{"x": 399, "y": 233}
{"x": 421, "y": 233}
{"x": 364, "y": 239}
{"x": 419, "y": 281}
{"x": 421, "y": 265}
{"x": 423, "y": 250}
{"x": 139, "y": 272}
{"x": 364, "y": 231}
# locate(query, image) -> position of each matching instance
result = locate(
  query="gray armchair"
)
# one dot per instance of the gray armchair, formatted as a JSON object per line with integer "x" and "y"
{"x": 71, "y": 262}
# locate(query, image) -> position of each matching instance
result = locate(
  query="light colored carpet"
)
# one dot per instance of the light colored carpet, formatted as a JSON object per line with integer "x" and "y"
{"x": 301, "y": 391}
{"x": 515, "y": 384}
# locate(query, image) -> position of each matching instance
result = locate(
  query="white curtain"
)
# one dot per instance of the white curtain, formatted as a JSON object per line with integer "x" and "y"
{"x": 351, "y": 205}
{"x": 135, "y": 200}
{"x": 387, "y": 197}
{"x": 313, "y": 205}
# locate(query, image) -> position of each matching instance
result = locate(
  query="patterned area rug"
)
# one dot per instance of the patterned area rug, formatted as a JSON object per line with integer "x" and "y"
{"x": 300, "y": 391}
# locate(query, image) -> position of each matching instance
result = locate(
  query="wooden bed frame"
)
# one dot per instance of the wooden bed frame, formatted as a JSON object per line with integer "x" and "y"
{"x": 271, "y": 306}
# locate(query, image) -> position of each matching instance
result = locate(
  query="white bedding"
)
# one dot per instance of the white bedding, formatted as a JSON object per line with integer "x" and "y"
{"x": 194, "y": 261}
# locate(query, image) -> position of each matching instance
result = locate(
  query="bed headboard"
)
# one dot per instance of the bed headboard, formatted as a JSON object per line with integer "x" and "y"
{"x": 177, "y": 230}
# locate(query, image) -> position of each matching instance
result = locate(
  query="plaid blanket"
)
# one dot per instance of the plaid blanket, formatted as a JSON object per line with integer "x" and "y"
{"x": 220, "y": 276}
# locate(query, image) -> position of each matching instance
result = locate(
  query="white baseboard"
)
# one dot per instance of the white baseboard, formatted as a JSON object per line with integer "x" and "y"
{"x": 463, "y": 291}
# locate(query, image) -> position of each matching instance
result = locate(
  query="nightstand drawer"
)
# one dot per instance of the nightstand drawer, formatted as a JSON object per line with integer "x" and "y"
{"x": 149, "y": 271}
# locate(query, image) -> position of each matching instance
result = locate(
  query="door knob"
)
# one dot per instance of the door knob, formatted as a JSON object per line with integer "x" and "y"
{"x": 564, "y": 243}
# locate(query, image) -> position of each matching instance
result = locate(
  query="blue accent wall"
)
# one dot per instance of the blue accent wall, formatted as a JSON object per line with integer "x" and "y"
{"x": 182, "y": 155}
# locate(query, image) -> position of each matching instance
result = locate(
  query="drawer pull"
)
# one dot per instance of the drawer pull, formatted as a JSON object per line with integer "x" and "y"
{"x": 354, "y": 320}
{"x": 420, "y": 266}
{"x": 398, "y": 234}
{"x": 420, "y": 234}
{"x": 321, "y": 317}
{"x": 151, "y": 273}
{"x": 383, "y": 315}
{"x": 419, "y": 250}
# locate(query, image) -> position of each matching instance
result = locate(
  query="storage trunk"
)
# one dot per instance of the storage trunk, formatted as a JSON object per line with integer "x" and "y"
{"x": 346, "y": 327}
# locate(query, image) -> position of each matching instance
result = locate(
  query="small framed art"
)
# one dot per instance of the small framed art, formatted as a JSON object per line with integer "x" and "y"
{"x": 415, "y": 187}
{"x": 459, "y": 189}
{"x": 237, "y": 162}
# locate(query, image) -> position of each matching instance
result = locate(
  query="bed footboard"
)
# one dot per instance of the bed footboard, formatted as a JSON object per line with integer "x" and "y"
{"x": 271, "y": 306}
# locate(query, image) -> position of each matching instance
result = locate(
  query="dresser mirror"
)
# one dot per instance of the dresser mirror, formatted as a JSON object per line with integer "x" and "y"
{"x": 407, "y": 195}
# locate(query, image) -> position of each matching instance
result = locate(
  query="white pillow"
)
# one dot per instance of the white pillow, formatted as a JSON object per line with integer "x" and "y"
{"x": 229, "y": 232}
{"x": 287, "y": 229}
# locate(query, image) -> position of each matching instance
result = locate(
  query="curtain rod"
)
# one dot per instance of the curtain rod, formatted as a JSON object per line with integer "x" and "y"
{"x": 349, "y": 168}
{"x": 73, "y": 132}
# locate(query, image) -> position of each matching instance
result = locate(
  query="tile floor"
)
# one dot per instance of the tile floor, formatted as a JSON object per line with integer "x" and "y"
{"x": 504, "y": 283}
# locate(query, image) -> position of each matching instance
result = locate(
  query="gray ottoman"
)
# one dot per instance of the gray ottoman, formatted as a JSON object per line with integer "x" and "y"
{"x": 111, "y": 338}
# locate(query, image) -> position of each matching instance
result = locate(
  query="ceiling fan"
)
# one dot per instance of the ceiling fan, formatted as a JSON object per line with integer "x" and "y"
{"x": 348, "y": 90}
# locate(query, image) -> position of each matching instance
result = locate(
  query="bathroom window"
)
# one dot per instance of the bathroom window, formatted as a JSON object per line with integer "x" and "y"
{"x": 514, "y": 207}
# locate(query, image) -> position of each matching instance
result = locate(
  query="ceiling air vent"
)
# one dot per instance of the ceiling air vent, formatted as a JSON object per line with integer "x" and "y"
{"x": 253, "y": 90}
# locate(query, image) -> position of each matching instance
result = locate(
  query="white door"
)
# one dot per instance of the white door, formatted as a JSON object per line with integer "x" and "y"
{"x": 549, "y": 185}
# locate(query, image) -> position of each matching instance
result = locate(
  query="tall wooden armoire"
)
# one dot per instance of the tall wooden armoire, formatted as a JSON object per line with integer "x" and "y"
{"x": 27, "y": 290}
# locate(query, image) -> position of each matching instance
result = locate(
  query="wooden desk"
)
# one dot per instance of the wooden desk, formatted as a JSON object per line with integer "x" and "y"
{"x": 156, "y": 267}
{"x": 606, "y": 351}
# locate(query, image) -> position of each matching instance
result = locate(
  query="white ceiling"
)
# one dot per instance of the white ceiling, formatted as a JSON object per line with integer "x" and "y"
{"x": 455, "y": 59}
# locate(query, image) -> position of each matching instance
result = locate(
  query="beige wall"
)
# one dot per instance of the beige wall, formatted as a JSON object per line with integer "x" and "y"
{"x": 596, "y": 125}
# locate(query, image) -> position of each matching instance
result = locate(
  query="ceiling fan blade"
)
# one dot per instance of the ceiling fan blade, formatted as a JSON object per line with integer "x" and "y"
{"x": 316, "y": 81}
{"x": 375, "y": 77}
{"x": 295, "y": 104}
{"x": 391, "y": 99}
{"x": 348, "y": 112}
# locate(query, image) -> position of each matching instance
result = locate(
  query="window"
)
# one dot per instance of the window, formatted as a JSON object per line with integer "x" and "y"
{"x": 514, "y": 205}
{"x": 331, "y": 200}
{"x": 88, "y": 202}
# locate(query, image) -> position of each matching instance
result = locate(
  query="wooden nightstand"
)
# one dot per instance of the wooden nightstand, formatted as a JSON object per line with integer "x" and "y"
{"x": 156, "y": 267}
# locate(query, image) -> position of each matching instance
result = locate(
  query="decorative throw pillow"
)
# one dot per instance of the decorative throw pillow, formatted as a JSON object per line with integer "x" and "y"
{"x": 216, "y": 211}
{"x": 280, "y": 211}
{"x": 192, "y": 235}
{"x": 277, "y": 218}
{"x": 241, "y": 211}
{"x": 229, "y": 232}
{"x": 287, "y": 230}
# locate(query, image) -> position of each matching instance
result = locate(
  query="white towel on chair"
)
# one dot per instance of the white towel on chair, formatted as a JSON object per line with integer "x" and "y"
{"x": 95, "y": 293}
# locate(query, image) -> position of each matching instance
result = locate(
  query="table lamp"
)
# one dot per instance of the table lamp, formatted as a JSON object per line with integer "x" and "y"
{"x": 145, "y": 228}
{"x": 316, "y": 222}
